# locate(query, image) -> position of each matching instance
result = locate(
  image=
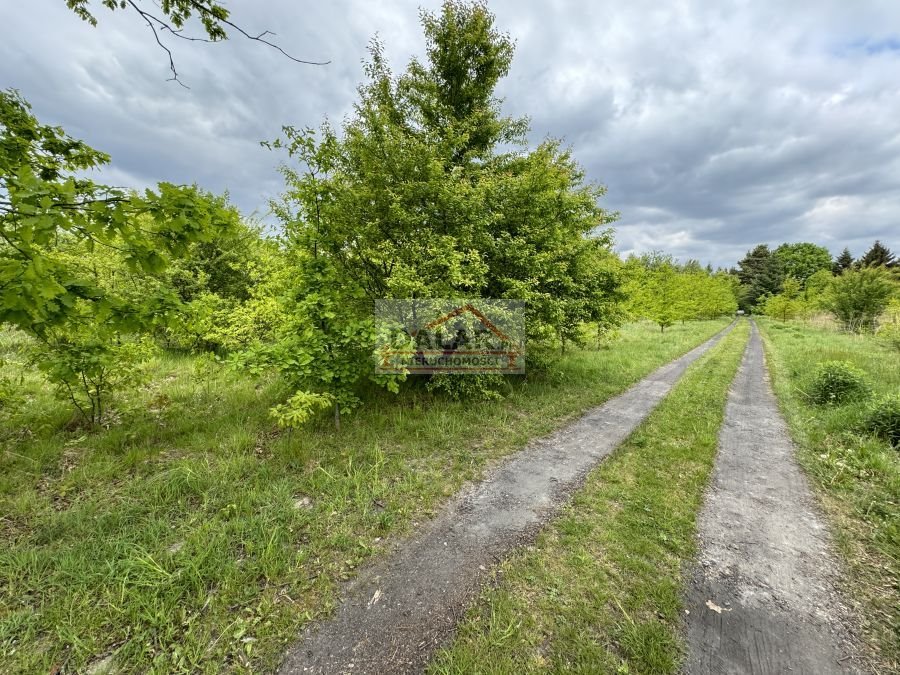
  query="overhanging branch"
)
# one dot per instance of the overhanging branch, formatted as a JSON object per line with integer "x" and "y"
{"x": 158, "y": 25}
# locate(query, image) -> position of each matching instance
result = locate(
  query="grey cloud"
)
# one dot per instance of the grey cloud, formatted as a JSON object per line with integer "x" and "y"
{"x": 714, "y": 126}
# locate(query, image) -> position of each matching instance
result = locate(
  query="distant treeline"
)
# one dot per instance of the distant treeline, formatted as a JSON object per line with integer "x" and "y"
{"x": 797, "y": 279}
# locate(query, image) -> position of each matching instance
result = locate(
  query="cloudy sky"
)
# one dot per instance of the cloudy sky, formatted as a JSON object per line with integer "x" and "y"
{"x": 714, "y": 125}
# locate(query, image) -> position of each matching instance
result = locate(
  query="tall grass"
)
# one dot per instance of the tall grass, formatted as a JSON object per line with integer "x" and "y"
{"x": 193, "y": 535}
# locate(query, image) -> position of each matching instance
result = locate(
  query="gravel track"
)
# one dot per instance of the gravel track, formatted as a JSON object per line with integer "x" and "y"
{"x": 403, "y": 607}
{"x": 762, "y": 598}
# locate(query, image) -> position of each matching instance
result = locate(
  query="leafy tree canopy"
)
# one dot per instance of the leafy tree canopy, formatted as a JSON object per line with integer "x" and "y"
{"x": 802, "y": 260}
{"x": 418, "y": 196}
{"x": 660, "y": 289}
{"x": 857, "y": 297}
{"x": 46, "y": 203}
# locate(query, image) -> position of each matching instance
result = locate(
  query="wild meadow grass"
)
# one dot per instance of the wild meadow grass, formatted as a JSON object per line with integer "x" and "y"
{"x": 857, "y": 476}
{"x": 600, "y": 589}
{"x": 193, "y": 535}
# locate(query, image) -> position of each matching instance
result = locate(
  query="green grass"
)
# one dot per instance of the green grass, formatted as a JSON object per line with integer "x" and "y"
{"x": 857, "y": 476}
{"x": 192, "y": 535}
{"x": 601, "y": 588}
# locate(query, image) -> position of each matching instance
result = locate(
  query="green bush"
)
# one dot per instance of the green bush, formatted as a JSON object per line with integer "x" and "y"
{"x": 838, "y": 382}
{"x": 471, "y": 387}
{"x": 883, "y": 419}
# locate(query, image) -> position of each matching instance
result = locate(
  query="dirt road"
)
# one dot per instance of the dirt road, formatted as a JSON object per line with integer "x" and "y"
{"x": 762, "y": 598}
{"x": 401, "y": 609}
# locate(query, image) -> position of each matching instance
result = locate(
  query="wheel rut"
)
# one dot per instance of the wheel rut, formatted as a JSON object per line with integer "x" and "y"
{"x": 403, "y": 607}
{"x": 762, "y": 598}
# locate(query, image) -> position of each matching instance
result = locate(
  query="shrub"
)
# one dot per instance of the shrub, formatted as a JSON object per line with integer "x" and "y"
{"x": 857, "y": 297}
{"x": 11, "y": 394}
{"x": 883, "y": 419}
{"x": 86, "y": 369}
{"x": 471, "y": 387}
{"x": 837, "y": 382}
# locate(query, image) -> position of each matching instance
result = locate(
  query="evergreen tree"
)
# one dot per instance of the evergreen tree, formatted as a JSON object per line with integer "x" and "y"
{"x": 760, "y": 272}
{"x": 877, "y": 256}
{"x": 842, "y": 263}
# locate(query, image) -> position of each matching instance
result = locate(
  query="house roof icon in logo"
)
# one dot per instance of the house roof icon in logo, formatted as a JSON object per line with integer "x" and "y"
{"x": 463, "y": 309}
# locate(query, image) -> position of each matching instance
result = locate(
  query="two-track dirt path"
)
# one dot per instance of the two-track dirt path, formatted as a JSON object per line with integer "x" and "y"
{"x": 398, "y": 611}
{"x": 762, "y": 598}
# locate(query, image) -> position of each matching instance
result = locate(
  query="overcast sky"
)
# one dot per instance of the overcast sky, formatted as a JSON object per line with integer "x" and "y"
{"x": 714, "y": 125}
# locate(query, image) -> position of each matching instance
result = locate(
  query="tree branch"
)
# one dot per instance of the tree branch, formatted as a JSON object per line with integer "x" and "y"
{"x": 157, "y": 25}
{"x": 204, "y": 11}
{"x": 148, "y": 18}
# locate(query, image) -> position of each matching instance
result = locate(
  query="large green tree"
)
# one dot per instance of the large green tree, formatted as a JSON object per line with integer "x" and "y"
{"x": 760, "y": 273}
{"x": 801, "y": 260}
{"x": 423, "y": 194}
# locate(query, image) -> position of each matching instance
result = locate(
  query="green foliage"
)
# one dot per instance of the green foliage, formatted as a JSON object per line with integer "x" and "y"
{"x": 760, "y": 273}
{"x": 471, "y": 387}
{"x": 46, "y": 200}
{"x": 786, "y": 305}
{"x": 780, "y": 307}
{"x": 842, "y": 263}
{"x": 816, "y": 287}
{"x": 212, "y": 15}
{"x": 658, "y": 294}
{"x": 883, "y": 419}
{"x": 878, "y": 255}
{"x": 889, "y": 324}
{"x": 230, "y": 264}
{"x": 453, "y": 92}
{"x": 659, "y": 290}
{"x": 802, "y": 260}
{"x": 87, "y": 369}
{"x": 857, "y": 297}
{"x": 890, "y": 333}
{"x": 836, "y": 383}
{"x": 415, "y": 197}
{"x": 11, "y": 394}
{"x": 299, "y": 408}
{"x": 82, "y": 265}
